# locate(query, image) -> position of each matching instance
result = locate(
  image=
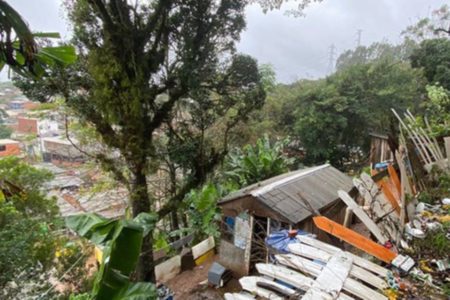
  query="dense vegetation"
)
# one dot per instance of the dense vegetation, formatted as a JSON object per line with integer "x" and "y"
{"x": 33, "y": 245}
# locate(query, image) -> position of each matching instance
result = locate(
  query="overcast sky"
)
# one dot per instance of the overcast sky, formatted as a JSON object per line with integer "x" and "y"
{"x": 296, "y": 47}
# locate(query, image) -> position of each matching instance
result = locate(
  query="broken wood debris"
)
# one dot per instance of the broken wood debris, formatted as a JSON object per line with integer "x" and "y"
{"x": 316, "y": 270}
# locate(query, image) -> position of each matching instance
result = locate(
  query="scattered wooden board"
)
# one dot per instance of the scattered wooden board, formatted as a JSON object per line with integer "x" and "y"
{"x": 359, "y": 261}
{"x": 331, "y": 279}
{"x": 350, "y": 285}
{"x": 248, "y": 283}
{"x": 354, "y": 239}
{"x": 203, "y": 247}
{"x": 168, "y": 269}
{"x": 356, "y": 271}
{"x": 373, "y": 228}
{"x": 236, "y": 296}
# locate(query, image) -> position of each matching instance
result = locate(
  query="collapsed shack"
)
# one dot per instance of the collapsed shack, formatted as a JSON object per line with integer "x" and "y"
{"x": 380, "y": 151}
{"x": 286, "y": 201}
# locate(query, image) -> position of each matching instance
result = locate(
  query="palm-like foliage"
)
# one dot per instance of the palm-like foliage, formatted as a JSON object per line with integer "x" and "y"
{"x": 19, "y": 49}
{"x": 259, "y": 162}
{"x": 121, "y": 241}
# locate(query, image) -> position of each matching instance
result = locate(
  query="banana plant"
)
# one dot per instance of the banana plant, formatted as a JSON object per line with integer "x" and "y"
{"x": 121, "y": 241}
{"x": 20, "y": 51}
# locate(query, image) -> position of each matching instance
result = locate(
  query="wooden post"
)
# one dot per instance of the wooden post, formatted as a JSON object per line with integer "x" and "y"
{"x": 248, "y": 246}
{"x": 348, "y": 216}
{"x": 267, "y": 235}
{"x": 447, "y": 147}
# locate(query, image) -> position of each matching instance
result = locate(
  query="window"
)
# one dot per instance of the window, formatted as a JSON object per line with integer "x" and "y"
{"x": 2, "y": 148}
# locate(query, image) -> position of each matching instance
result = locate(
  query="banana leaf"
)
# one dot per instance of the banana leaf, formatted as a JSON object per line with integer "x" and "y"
{"x": 121, "y": 241}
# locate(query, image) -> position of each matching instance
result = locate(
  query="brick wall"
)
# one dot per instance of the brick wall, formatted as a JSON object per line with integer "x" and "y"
{"x": 9, "y": 149}
{"x": 25, "y": 125}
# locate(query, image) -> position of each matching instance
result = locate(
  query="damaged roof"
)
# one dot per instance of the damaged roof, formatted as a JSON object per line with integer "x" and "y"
{"x": 289, "y": 194}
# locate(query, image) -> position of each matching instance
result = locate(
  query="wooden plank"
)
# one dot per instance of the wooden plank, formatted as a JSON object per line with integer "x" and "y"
{"x": 356, "y": 271}
{"x": 363, "y": 263}
{"x": 333, "y": 275}
{"x": 390, "y": 195}
{"x": 168, "y": 269}
{"x": 394, "y": 177}
{"x": 286, "y": 275}
{"x": 309, "y": 252}
{"x": 381, "y": 237}
{"x": 295, "y": 279}
{"x": 350, "y": 285}
{"x": 205, "y": 257}
{"x": 432, "y": 146}
{"x": 236, "y": 296}
{"x": 203, "y": 247}
{"x": 416, "y": 144}
{"x": 248, "y": 283}
{"x": 354, "y": 239}
{"x": 447, "y": 147}
{"x": 248, "y": 245}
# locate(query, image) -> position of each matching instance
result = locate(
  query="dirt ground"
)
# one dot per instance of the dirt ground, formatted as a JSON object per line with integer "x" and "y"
{"x": 193, "y": 285}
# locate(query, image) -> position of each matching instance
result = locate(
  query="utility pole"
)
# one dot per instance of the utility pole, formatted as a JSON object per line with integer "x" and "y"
{"x": 331, "y": 53}
{"x": 358, "y": 37}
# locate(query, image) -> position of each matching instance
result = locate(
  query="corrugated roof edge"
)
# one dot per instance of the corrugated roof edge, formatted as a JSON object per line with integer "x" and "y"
{"x": 248, "y": 190}
{"x": 286, "y": 180}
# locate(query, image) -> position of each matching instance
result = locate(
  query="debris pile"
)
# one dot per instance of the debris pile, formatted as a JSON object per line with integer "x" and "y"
{"x": 409, "y": 233}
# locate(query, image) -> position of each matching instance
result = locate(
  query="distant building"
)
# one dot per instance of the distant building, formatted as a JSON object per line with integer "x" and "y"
{"x": 59, "y": 150}
{"x": 9, "y": 148}
{"x": 22, "y": 104}
{"x": 39, "y": 127}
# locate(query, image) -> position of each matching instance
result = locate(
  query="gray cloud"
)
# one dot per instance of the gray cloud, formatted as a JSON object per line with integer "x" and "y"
{"x": 296, "y": 47}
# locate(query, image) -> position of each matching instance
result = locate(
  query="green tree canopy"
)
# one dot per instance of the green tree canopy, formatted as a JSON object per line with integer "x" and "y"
{"x": 434, "y": 57}
{"x": 156, "y": 76}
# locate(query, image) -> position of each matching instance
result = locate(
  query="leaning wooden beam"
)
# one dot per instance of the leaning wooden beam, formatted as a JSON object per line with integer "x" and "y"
{"x": 424, "y": 159}
{"x": 447, "y": 147}
{"x": 363, "y": 217}
{"x": 390, "y": 195}
{"x": 350, "y": 285}
{"x": 422, "y": 143}
{"x": 354, "y": 239}
{"x": 356, "y": 271}
{"x": 432, "y": 142}
{"x": 394, "y": 178}
{"x": 363, "y": 263}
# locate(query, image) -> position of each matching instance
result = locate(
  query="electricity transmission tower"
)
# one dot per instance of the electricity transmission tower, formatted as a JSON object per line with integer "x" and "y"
{"x": 332, "y": 54}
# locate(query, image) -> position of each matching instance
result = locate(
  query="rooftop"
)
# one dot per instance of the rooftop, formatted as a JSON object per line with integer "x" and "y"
{"x": 291, "y": 194}
{"x": 8, "y": 141}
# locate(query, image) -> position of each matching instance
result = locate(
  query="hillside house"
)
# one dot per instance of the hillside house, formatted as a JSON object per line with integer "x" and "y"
{"x": 287, "y": 201}
{"x": 39, "y": 127}
{"x": 22, "y": 105}
{"x": 9, "y": 148}
{"x": 61, "y": 151}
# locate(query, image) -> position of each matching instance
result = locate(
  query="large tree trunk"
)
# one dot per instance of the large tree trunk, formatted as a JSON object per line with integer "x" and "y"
{"x": 141, "y": 203}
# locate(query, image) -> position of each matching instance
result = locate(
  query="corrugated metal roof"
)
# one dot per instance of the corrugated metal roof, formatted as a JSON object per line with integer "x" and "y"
{"x": 286, "y": 194}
